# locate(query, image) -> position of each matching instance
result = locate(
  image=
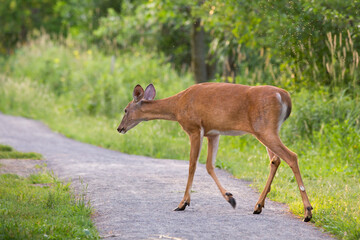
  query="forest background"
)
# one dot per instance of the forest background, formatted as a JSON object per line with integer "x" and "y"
{"x": 73, "y": 65}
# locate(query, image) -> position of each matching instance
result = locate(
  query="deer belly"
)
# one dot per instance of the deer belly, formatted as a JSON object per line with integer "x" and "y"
{"x": 229, "y": 133}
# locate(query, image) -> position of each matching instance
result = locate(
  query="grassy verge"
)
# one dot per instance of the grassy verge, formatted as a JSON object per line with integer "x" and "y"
{"x": 41, "y": 207}
{"x": 7, "y": 152}
{"x": 323, "y": 129}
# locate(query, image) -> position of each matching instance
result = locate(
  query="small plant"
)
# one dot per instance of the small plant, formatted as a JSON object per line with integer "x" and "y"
{"x": 5, "y": 148}
{"x": 7, "y": 152}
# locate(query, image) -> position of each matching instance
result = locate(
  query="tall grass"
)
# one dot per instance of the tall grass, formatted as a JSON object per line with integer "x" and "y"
{"x": 89, "y": 82}
{"x": 339, "y": 68}
{"x": 343, "y": 61}
{"x": 75, "y": 91}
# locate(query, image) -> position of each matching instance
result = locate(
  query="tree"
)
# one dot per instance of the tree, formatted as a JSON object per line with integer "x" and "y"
{"x": 19, "y": 18}
{"x": 198, "y": 54}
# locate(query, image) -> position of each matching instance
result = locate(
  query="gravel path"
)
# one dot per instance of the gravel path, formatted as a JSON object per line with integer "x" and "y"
{"x": 133, "y": 196}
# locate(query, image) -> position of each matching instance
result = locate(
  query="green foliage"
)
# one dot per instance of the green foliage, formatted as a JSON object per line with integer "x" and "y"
{"x": 125, "y": 30}
{"x": 315, "y": 40}
{"x": 40, "y": 207}
{"x": 20, "y": 18}
{"x": 315, "y": 110}
{"x": 307, "y": 43}
{"x": 155, "y": 25}
{"x": 87, "y": 81}
{"x": 5, "y": 148}
{"x": 7, "y": 152}
{"x": 293, "y": 34}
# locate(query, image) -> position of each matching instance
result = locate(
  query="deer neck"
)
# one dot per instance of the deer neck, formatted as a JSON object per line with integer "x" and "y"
{"x": 159, "y": 109}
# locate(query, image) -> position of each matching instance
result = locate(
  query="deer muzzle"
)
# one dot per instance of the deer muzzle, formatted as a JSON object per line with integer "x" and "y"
{"x": 121, "y": 130}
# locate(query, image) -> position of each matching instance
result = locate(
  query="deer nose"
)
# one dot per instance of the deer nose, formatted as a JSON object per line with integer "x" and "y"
{"x": 120, "y": 130}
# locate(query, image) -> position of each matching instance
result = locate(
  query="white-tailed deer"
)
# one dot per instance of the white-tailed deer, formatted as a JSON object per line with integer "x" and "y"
{"x": 213, "y": 109}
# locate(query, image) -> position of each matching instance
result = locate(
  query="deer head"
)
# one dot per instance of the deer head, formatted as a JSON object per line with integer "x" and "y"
{"x": 133, "y": 114}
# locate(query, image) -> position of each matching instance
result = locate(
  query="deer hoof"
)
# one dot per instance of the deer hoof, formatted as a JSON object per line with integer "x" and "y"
{"x": 308, "y": 214}
{"x": 258, "y": 209}
{"x": 231, "y": 200}
{"x": 182, "y": 208}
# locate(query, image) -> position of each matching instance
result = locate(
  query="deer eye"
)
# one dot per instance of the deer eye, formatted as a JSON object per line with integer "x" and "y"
{"x": 125, "y": 110}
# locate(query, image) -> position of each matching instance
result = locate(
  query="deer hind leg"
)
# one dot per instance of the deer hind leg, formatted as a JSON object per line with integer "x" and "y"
{"x": 196, "y": 142}
{"x": 273, "y": 142}
{"x": 274, "y": 164}
{"x": 213, "y": 143}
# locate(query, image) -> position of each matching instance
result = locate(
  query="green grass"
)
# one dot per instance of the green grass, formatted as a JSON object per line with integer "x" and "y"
{"x": 7, "y": 152}
{"x": 5, "y": 148}
{"x": 41, "y": 207}
{"x": 323, "y": 129}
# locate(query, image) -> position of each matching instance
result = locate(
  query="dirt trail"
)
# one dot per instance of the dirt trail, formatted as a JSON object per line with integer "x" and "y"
{"x": 133, "y": 196}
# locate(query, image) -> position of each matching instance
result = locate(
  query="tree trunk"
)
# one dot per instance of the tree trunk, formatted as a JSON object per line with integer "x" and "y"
{"x": 210, "y": 67}
{"x": 198, "y": 54}
{"x": 229, "y": 72}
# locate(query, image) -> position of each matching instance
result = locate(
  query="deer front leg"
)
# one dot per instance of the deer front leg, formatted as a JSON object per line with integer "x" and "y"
{"x": 196, "y": 142}
{"x": 213, "y": 144}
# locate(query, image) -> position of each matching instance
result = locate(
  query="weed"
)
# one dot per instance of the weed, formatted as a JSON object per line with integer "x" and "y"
{"x": 7, "y": 152}
{"x": 5, "y": 148}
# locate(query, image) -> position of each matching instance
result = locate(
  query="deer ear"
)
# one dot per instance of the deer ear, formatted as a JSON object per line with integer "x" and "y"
{"x": 138, "y": 93}
{"x": 150, "y": 92}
